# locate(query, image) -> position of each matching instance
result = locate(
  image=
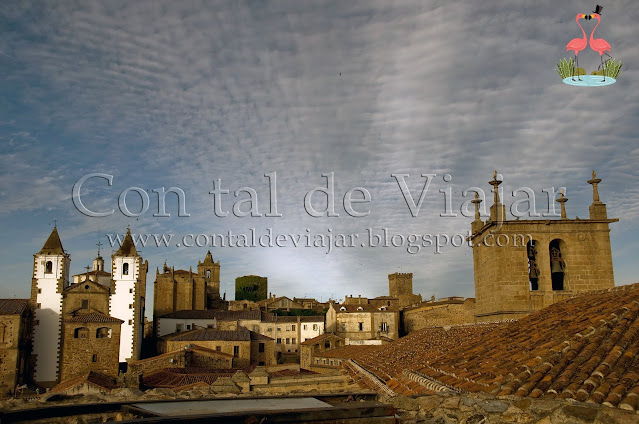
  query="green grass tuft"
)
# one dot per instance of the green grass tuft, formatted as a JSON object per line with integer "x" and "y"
{"x": 565, "y": 67}
{"x": 613, "y": 68}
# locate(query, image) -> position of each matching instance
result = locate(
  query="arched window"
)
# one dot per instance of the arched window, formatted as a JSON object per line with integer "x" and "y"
{"x": 125, "y": 269}
{"x": 557, "y": 264}
{"x": 533, "y": 270}
{"x": 208, "y": 273}
{"x": 48, "y": 268}
{"x": 103, "y": 333}
{"x": 81, "y": 333}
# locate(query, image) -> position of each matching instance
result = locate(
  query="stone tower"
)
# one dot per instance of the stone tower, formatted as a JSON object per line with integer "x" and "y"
{"x": 521, "y": 266}
{"x": 210, "y": 271}
{"x": 400, "y": 286}
{"x": 50, "y": 278}
{"x": 128, "y": 295}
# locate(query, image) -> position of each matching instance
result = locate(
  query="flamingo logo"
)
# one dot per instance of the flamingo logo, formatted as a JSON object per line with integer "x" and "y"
{"x": 608, "y": 69}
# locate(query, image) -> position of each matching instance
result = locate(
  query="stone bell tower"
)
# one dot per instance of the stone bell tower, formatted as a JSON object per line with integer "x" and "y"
{"x": 521, "y": 266}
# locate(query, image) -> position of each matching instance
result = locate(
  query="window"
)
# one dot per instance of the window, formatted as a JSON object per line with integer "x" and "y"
{"x": 39, "y": 305}
{"x": 533, "y": 269}
{"x": 209, "y": 325}
{"x": 236, "y": 351}
{"x": 343, "y": 326}
{"x": 327, "y": 344}
{"x": 130, "y": 290}
{"x": 304, "y": 326}
{"x": 256, "y": 328}
{"x": 208, "y": 273}
{"x": 314, "y": 327}
{"x": 103, "y": 333}
{"x": 288, "y": 341}
{"x": 188, "y": 326}
{"x": 279, "y": 341}
{"x": 343, "y": 308}
{"x": 294, "y": 340}
{"x": 260, "y": 348}
{"x": 270, "y": 329}
{"x": 85, "y": 303}
{"x": 361, "y": 326}
{"x": 261, "y": 363}
{"x": 81, "y": 333}
{"x": 218, "y": 348}
{"x": 288, "y": 328}
{"x": 384, "y": 327}
{"x": 48, "y": 269}
{"x": 178, "y": 327}
{"x": 245, "y": 305}
{"x": 130, "y": 322}
{"x": 388, "y": 303}
{"x": 557, "y": 265}
{"x": 293, "y": 327}
{"x": 279, "y": 328}
{"x": 125, "y": 269}
{"x": 39, "y": 291}
{"x": 94, "y": 358}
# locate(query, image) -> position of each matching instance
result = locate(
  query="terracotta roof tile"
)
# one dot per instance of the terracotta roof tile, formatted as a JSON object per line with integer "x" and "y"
{"x": 92, "y": 317}
{"x": 13, "y": 306}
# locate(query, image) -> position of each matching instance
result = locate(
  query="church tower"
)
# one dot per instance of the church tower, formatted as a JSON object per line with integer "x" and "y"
{"x": 210, "y": 271}
{"x": 128, "y": 296}
{"x": 50, "y": 278}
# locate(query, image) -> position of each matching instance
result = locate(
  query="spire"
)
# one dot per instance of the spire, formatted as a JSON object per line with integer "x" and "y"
{"x": 127, "y": 248}
{"x": 477, "y": 223}
{"x": 495, "y": 183}
{"x": 597, "y": 208}
{"x": 208, "y": 259}
{"x": 53, "y": 245}
{"x": 497, "y": 210}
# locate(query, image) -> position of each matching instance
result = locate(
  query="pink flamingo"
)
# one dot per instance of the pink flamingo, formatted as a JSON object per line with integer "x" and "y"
{"x": 599, "y": 44}
{"x": 577, "y": 45}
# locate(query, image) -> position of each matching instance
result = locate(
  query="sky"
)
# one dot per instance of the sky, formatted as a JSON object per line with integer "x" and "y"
{"x": 156, "y": 95}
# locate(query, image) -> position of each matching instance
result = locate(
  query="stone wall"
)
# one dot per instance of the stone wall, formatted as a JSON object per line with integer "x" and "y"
{"x": 12, "y": 353}
{"x": 484, "y": 409}
{"x": 437, "y": 314}
{"x": 87, "y": 352}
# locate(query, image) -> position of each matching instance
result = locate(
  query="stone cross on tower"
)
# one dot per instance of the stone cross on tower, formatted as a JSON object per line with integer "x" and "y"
{"x": 497, "y": 210}
{"x": 595, "y": 190}
{"x": 562, "y": 200}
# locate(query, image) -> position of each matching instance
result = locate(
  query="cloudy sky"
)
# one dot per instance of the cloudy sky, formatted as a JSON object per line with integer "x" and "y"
{"x": 180, "y": 94}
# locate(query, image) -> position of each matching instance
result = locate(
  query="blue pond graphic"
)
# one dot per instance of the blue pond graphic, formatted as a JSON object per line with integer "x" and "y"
{"x": 590, "y": 81}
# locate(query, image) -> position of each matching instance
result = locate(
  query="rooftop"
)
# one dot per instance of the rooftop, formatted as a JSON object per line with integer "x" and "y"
{"x": 13, "y": 306}
{"x": 209, "y": 334}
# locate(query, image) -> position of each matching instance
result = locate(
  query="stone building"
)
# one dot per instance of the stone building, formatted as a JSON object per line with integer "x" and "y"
{"x": 243, "y": 305}
{"x": 279, "y": 302}
{"x": 363, "y": 322}
{"x": 251, "y": 287}
{"x": 247, "y": 347}
{"x": 15, "y": 329}
{"x": 400, "y": 287}
{"x": 92, "y": 324}
{"x": 522, "y": 266}
{"x": 182, "y": 290}
{"x": 311, "y": 347}
{"x": 442, "y": 312}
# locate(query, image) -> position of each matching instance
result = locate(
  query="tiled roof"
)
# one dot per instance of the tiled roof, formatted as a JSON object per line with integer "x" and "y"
{"x": 92, "y": 317}
{"x": 178, "y": 377}
{"x": 318, "y": 318}
{"x": 209, "y": 334}
{"x": 345, "y": 352}
{"x": 92, "y": 378}
{"x": 219, "y": 315}
{"x": 585, "y": 348}
{"x": 13, "y": 306}
{"x": 320, "y": 338}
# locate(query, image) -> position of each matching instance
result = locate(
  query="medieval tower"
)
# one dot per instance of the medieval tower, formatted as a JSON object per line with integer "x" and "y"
{"x": 521, "y": 266}
{"x": 128, "y": 296}
{"x": 50, "y": 278}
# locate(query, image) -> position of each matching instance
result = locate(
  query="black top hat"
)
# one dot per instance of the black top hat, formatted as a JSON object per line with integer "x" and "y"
{"x": 598, "y": 10}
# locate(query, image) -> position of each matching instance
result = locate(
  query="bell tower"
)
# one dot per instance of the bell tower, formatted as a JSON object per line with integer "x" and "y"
{"x": 210, "y": 271}
{"x": 50, "y": 278}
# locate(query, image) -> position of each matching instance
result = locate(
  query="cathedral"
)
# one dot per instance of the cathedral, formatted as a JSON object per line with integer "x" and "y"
{"x": 91, "y": 323}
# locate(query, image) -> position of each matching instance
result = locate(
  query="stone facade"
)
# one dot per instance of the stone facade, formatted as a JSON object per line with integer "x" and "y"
{"x": 15, "y": 327}
{"x": 181, "y": 290}
{"x": 503, "y": 251}
{"x": 443, "y": 312}
{"x": 90, "y": 342}
{"x": 316, "y": 345}
{"x": 363, "y": 322}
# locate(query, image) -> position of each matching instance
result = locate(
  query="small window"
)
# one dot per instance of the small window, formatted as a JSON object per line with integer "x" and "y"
{"x": 208, "y": 273}
{"x": 279, "y": 328}
{"x": 48, "y": 268}
{"x": 384, "y": 327}
{"x": 343, "y": 326}
{"x": 85, "y": 303}
{"x": 103, "y": 333}
{"x": 125, "y": 269}
{"x": 218, "y": 348}
{"x": 293, "y": 327}
{"x": 178, "y": 328}
{"x": 130, "y": 290}
{"x": 327, "y": 344}
{"x": 288, "y": 341}
{"x": 94, "y": 358}
{"x": 39, "y": 305}
{"x": 388, "y": 303}
{"x": 359, "y": 308}
{"x": 39, "y": 291}
{"x": 81, "y": 333}
{"x": 361, "y": 326}
{"x": 188, "y": 326}
{"x": 261, "y": 363}
{"x": 294, "y": 340}
{"x": 130, "y": 322}
{"x": 343, "y": 308}
{"x": 260, "y": 348}
{"x": 209, "y": 326}
{"x": 304, "y": 326}
{"x": 314, "y": 327}
{"x": 256, "y": 328}
{"x": 130, "y": 305}
{"x": 236, "y": 351}
{"x": 279, "y": 341}
{"x": 288, "y": 328}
